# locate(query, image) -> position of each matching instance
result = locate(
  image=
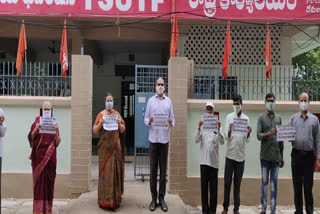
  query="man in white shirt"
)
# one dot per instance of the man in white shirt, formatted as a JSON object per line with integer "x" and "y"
{"x": 3, "y": 129}
{"x": 209, "y": 162}
{"x": 235, "y": 156}
{"x": 159, "y": 104}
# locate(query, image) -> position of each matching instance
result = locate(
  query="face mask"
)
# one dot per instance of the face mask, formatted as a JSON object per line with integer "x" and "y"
{"x": 304, "y": 106}
{"x": 209, "y": 113}
{"x": 270, "y": 106}
{"x": 109, "y": 105}
{"x": 160, "y": 89}
{"x": 46, "y": 114}
{"x": 236, "y": 109}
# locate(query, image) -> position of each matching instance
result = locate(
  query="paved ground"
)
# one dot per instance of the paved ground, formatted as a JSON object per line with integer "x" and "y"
{"x": 136, "y": 200}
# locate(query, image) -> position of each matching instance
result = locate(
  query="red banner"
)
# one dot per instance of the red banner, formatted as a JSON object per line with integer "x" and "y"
{"x": 253, "y": 9}
{"x": 188, "y": 9}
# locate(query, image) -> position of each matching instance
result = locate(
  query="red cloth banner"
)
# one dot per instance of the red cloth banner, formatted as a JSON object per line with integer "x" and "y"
{"x": 267, "y": 54}
{"x": 64, "y": 51}
{"x": 187, "y": 9}
{"x": 22, "y": 47}
{"x": 226, "y": 55}
{"x": 174, "y": 36}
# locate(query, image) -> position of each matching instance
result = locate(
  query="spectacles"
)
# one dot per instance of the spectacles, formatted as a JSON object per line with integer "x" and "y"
{"x": 268, "y": 101}
{"x": 160, "y": 84}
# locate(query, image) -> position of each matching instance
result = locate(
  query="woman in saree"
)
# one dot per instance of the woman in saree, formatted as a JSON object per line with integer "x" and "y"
{"x": 44, "y": 163}
{"x": 111, "y": 159}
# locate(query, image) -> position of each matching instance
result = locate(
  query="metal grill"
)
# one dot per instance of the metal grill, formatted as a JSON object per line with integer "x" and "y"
{"x": 36, "y": 79}
{"x": 250, "y": 81}
{"x": 147, "y": 75}
{"x": 145, "y": 81}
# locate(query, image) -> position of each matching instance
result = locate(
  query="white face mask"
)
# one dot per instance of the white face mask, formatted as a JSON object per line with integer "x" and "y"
{"x": 46, "y": 114}
{"x": 304, "y": 106}
{"x": 236, "y": 108}
{"x": 159, "y": 89}
{"x": 109, "y": 105}
{"x": 270, "y": 106}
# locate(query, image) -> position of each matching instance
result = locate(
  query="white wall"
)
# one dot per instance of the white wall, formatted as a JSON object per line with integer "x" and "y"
{"x": 16, "y": 149}
{"x": 252, "y": 161}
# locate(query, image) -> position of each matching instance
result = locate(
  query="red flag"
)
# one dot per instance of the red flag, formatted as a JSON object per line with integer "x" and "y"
{"x": 226, "y": 55}
{"x": 174, "y": 36}
{"x": 22, "y": 47}
{"x": 267, "y": 54}
{"x": 64, "y": 51}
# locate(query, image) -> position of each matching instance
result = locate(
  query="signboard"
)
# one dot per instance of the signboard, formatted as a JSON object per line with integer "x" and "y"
{"x": 240, "y": 127}
{"x": 187, "y": 9}
{"x": 210, "y": 123}
{"x": 47, "y": 125}
{"x": 110, "y": 122}
{"x": 286, "y": 133}
{"x": 160, "y": 121}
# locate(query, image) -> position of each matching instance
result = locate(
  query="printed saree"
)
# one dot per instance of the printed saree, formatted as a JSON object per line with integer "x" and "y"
{"x": 111, "y": 165}
{"x": 44, "y": 163}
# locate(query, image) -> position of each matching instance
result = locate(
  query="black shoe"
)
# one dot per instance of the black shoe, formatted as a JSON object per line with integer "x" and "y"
{"x": 163, "y": 206}
{"x": 262, "y": 212}
{"x": 153, "y": 206}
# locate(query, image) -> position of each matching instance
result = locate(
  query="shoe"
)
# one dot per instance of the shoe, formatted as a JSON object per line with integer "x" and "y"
{"x": 152, "y": 206}
{"x": 224, "y": 212}
{"x": 263, "y": 212}
{"x": 163, "y": 206}
{"x": 236, "y": 212}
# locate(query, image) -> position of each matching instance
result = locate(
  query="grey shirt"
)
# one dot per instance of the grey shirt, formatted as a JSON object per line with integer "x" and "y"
{"x": 307, "y": 132}
{"x": 270, "y": 149}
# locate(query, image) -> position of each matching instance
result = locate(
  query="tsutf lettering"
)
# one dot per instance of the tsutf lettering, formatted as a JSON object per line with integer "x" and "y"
{"x": 155, "y": 3}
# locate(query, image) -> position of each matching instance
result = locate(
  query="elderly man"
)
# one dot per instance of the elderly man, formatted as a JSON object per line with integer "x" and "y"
{"x": 3, "y": 129}
{"x": 159, "y": 117}
{"x": 271, "y": 153}
{"x": 209, "y": 162}
{"x": 302, "y": 156}
{"x": 235, "y": 156}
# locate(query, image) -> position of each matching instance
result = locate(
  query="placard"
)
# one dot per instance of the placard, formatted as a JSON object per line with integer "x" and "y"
{"x": 240, "y": 127}
{"x": 286, "y": 133}
{"x": 210, "y": 123}
{"x": 110, "y": 122}
{"x": 47, "y": 125}
{"x": 160, "y": 121}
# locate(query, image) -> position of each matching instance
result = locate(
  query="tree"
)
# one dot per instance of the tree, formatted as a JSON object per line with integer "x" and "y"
{"x": 307, "y": 74}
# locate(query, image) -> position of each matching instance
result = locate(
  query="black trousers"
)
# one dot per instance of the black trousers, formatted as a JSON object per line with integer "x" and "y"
{"x": 158, "y": 157}
{"x": 209, "y": 181}
{"x": 235, "y": 169}
{"x": 302, "y": 167}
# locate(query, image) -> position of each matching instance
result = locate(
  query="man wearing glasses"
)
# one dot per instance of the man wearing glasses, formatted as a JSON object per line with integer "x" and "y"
{"x": 302, "y": 156}
{"x": 271, "y": 153}
{"x": 159, "y": 118}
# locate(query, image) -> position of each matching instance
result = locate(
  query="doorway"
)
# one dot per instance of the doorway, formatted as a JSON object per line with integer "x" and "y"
{"x": 127, "y": 112}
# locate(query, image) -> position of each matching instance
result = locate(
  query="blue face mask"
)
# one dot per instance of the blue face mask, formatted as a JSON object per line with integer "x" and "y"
{"x": 109, "y": 105}
{"x": 270, "y": 106}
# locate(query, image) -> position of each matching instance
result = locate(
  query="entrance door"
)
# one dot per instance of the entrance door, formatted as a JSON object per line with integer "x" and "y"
{"x": 127, "y": 112}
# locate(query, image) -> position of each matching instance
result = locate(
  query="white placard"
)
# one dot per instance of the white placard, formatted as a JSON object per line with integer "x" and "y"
{"x": 160, "y": 121}
{"x": 286, "y": 133}
{"x": 47, "y": 125}
{"x": 240, "y": 127}
{"x": 110, "y": 122}
{"x": 210, "y": 123}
